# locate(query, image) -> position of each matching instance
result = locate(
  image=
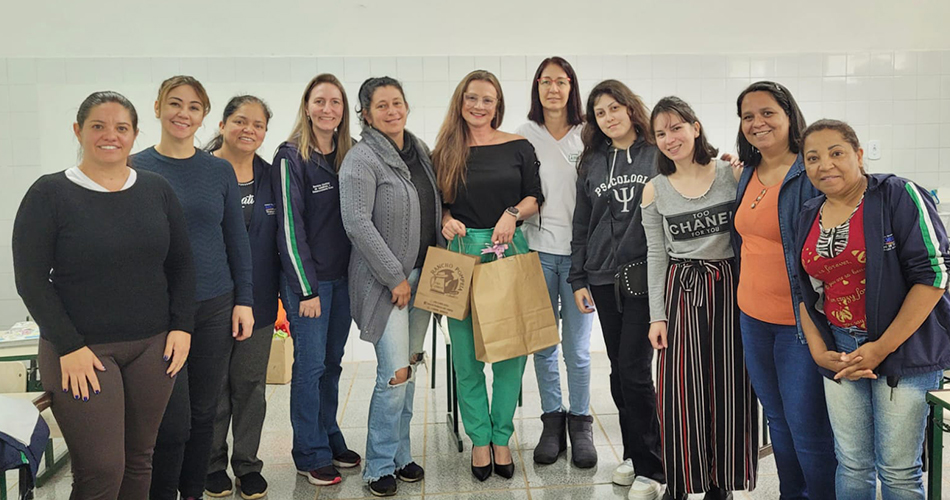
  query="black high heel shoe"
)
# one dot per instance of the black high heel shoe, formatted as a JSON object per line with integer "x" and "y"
{"x": 506, "y": 471}
{"x": 482, "y": 472}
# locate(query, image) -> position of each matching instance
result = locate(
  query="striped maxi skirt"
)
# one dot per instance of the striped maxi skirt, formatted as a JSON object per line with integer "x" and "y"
{"x": 707, "y": 409}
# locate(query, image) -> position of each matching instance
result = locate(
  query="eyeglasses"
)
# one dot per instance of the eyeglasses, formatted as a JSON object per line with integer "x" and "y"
{"x": 562, "y": 83}
{"x": 471, "y": 100}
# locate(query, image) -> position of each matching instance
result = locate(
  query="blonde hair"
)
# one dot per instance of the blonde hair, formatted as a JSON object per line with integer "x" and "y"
{"x": 451, "y": 148}
{"x": 302, "y": 134}
{"x": 177, "y": 81}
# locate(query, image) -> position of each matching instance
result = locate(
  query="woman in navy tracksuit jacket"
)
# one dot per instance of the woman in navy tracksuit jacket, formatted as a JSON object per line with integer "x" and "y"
{"x": 878, "y": 411}
{"x": 315, "y": 254}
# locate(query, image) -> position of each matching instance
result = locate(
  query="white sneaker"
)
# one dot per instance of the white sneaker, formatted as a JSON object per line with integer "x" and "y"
{"x": 644, "y": 488}
{"x": 624, "y": 473}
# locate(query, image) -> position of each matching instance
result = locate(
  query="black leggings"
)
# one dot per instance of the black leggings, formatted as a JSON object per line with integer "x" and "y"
{"x": 184, "y": 438}
{"x": 626, "y": 335}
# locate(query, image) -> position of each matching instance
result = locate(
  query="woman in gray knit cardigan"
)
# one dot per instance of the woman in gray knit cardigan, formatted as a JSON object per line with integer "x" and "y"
{"x": 391, "y": 211}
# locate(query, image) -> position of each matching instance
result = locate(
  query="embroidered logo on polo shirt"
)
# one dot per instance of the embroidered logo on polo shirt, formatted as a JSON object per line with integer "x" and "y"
{"x": 889, "y": 243}
{"x": 323, "y": 186}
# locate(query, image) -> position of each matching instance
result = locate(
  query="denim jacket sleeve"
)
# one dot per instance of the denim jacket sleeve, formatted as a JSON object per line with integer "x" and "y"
{"x": 797, "y": 189}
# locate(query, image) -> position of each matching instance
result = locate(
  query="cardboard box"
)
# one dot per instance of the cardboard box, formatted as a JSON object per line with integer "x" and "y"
{"x": 281, "y": 362}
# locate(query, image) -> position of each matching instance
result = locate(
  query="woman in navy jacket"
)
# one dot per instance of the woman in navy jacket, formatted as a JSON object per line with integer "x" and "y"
{"x": 315, "y": 254}
{"x": 872, "y": 268}
{"x": 242, "y": 402}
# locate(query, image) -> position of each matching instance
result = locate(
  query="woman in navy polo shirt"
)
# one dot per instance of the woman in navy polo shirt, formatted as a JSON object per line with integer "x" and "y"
{"x": 242, "y": 403}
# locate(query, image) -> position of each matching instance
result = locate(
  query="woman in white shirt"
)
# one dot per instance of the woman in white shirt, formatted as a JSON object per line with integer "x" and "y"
{"x": 554, "y": 129}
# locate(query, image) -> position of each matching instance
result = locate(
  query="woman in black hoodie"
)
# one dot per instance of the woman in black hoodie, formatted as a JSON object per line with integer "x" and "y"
{"x": 608, "y": 257}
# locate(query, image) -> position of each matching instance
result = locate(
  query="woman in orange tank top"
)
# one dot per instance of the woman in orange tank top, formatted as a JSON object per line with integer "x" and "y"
{"x": 772, "y": 189}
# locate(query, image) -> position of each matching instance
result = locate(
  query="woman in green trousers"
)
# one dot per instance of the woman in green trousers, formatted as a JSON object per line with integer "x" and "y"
{"x": 490, "y": 183}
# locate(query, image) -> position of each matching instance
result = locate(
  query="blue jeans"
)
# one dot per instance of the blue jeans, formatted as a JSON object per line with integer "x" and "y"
{"x": 390, "y": 411}
{"x": 575, "y": 337}
{"x": 878, "y": 429}
{"x": 315, "y": 385}
{"x": 787, "y": 383}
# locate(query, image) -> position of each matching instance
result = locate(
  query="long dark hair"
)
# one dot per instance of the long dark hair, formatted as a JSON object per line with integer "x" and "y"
{"x": 575, "y": 111}
{"x": 233, "y": 105}
{"x": 592, "y": 136}
{"x": 703, "y": 152}
{"x": 749, "y": 154}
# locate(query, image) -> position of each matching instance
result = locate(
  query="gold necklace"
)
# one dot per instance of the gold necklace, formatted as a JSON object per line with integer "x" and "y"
{"x": 759, "y": 197}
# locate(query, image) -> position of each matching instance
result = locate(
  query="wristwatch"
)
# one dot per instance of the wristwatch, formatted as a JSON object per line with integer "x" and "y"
{"x": 513, "y": 211}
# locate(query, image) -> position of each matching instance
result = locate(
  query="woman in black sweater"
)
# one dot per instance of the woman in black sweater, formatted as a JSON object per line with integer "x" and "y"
{"x": 103, "y": 263}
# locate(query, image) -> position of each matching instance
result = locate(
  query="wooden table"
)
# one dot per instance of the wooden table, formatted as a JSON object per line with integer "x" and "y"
{"x": 24, "y": 351}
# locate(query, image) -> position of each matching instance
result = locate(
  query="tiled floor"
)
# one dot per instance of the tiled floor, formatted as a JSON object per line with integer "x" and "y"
{"x": 447, "y": 471}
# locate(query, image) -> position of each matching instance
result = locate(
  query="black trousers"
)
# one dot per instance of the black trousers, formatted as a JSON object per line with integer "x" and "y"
{"x": 631, "y": 378}
{"x": 183, "y": 447}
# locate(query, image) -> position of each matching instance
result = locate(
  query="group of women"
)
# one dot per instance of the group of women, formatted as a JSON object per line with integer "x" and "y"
{"x": 181, "y": 253}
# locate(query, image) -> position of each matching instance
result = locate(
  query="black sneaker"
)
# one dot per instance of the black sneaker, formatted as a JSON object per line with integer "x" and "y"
{"x": 411, "y": 473}
{"x": 252, "y": 485}
{"x": 218, "y": 484}
{"x": 383, "y": 487}
{"x": 324, "y": 476}
{"x": 347, "y": 459}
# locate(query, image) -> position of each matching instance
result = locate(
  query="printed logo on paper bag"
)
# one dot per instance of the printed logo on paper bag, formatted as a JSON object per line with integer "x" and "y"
{"x": 446, "y": 279}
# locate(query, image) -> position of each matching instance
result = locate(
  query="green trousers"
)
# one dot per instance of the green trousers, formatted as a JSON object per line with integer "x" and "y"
{"x": 485, "y": 424}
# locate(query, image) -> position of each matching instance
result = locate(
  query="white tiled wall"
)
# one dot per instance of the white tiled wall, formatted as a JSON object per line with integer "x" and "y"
{"x": 901, "y": 99}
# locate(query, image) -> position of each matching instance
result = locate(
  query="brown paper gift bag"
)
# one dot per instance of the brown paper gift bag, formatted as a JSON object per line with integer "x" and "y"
{"x": 281, "y": 361}
{"x": 445, "y": 283}
{"x": 511, "y": 310}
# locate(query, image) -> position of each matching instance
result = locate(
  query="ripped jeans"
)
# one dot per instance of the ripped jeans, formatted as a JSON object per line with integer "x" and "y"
{"x": 390, "y": 411}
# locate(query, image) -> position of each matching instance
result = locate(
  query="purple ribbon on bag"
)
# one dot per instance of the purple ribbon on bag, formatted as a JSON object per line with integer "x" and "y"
{"x": 498, "y": 249}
